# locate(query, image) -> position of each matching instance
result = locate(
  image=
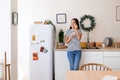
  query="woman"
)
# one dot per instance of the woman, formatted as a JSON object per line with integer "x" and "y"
{"x": 72, "y": 38}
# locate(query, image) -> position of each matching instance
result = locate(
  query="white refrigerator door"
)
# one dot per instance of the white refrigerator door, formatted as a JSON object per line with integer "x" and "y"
{"x": 41, "y": 52}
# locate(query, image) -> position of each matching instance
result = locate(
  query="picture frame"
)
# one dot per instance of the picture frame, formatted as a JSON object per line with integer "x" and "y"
{"x": 117, "y": 13}
{"x": 14, "y": 18}
{"x": 61, "y": 18}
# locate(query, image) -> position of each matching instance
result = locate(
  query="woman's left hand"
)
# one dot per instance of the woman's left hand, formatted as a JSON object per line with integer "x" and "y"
{"x": 76, "y": 27}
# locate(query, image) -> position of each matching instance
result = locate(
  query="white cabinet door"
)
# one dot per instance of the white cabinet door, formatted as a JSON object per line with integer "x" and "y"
{"x": 112, "y": 59}
{"x": 91, "y": 57}
{"x": 61, "y": 65}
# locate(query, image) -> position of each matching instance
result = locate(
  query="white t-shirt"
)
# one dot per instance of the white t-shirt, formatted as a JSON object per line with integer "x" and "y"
{"x": 74, "y": 44}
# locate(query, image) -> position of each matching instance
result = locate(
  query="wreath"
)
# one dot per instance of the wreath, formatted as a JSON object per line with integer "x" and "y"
{"x": 92, "y": 24}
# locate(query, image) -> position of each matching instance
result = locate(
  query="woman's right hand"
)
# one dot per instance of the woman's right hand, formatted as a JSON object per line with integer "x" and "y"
{"x": 68, "y": 39}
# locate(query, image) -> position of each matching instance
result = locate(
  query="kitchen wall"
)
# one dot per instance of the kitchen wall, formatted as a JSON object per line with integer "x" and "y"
{"x": 5, "y": 33}
{"x": 104, "y": 11}
{"x": 8, "y": 37}
{"x": 29, "y": 11}
{"x": 5, "y": 36}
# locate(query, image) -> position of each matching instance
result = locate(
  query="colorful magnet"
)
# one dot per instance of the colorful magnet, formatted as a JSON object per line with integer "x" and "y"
{"x": 45, "y": 50}
{"x": 41, "y": 49}
{"x": 42, "y": 41}
{"x": 35, "y": 56}
{"x": 33, "y": 37}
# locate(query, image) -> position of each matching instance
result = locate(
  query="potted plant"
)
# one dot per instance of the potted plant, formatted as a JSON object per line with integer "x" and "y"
{"x": 61, "y": 37}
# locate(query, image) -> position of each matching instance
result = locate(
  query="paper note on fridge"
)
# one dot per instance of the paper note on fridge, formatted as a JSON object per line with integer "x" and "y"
{"x": 110, "y": 77}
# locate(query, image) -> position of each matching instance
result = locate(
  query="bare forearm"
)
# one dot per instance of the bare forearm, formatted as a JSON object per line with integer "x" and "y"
{"x": 68, "y": 39}
{"x": 79, "y": 35}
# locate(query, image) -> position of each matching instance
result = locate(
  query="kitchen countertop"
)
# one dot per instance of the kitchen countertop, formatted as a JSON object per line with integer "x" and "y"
{"x": 101, "y": 49}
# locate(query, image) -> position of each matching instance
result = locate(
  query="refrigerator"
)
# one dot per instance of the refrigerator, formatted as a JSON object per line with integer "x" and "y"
{"x": 41, "y": 57}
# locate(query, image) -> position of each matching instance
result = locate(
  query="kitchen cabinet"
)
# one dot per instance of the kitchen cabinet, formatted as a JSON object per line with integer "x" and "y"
{"x": 61, "y": 65}
{"x": 112, "y": 59}
{"x": 91, "y": 57}
{"x": 108, "y": 57}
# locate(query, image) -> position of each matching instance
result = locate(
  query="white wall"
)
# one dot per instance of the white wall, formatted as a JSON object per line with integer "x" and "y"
{"x": 39, "y": 10}
{"x": 8, "y": 35}
{"x": 104, "y": 11}
{"x": 5, "y": 31}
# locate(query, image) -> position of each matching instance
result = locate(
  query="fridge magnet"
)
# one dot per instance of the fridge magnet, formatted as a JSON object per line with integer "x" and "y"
{"x": 42, "y": 41}
{"x": 35, "y": 43}
{"x": 41, "y": 49}
{"x": 45, "y": 50}
{"x": 35, "y": 56}
{"x": 33, "y": 37}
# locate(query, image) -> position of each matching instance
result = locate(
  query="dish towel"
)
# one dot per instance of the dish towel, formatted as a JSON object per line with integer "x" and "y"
{"x": 110, "y": 77}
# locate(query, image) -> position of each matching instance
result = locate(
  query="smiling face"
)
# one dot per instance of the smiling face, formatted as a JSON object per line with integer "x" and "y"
{"x": 73, "y": 24}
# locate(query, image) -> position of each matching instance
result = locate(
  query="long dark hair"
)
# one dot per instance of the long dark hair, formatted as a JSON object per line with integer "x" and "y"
{"x": 76, "y": 21}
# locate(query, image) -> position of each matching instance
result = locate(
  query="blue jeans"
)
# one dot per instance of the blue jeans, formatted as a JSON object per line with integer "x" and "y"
{"x": 74, "y": 59}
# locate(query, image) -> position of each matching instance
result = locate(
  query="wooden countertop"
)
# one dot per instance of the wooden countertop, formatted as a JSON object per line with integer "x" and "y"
{"x": 101, "y": 49}
{"x": 90, "y": 75}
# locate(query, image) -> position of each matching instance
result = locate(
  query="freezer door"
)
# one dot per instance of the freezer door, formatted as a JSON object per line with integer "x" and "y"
{"x": 41, "y": 52}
